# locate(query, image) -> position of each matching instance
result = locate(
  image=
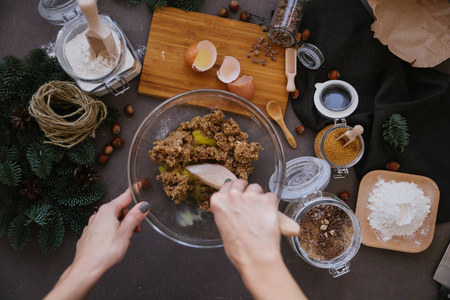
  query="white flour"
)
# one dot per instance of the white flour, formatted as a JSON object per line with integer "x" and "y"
{"x": 397, "y": 208}
{"x": 83, "y": 63}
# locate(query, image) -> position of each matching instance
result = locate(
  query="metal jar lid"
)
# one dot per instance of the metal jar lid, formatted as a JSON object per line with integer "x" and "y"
{"x": 310, "y": 56}
{"x": 304, "y": 176}
{"x": 59, "y": 12}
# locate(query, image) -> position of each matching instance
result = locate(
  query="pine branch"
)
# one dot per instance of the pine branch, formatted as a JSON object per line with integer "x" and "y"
{"x": 153, "y": 4}
{"x": 112, "y": 116}
{"x": 10, "y": 173}
{"x": 51, "y": 235}
{"x": 82, "y": 153}
{"x": 188, "y": 5}
{"x": 41, "y": 214}
{"x": 131, "y": 2}
{"x": 5, "y": 137}
{"x": 78, "y": 197}
{"x": 40, "y": 160}
{"x": 396, "y": 131}
{"x": 19, "y": 234}
{"x": 6, "y": 213}
{"x": 76, "y": 218}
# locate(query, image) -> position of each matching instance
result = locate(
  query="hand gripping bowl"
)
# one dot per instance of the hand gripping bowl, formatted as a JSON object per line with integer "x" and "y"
{"x": 186, "y": 223}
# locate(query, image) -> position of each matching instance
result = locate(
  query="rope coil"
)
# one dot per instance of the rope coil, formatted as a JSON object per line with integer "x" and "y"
{"x": 58, "y": 128}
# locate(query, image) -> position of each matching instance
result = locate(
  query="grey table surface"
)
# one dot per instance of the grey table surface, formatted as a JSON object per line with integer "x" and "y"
{"x": 157, "y": 268}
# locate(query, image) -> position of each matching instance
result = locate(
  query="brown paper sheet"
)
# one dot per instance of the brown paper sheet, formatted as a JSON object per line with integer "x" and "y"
{"x": 417, "y": 31}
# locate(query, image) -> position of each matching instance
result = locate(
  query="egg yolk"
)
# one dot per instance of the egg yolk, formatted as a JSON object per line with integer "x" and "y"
{"x": 203, "y": 59}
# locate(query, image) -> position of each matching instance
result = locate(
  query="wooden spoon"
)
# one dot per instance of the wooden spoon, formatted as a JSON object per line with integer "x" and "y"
{"x": 273, "y": 108}
{"x": 99, "y": 36}
{"x": 214, "y": 175}
{"x": 290, "y": 68}
{"x": 350, "y": 135}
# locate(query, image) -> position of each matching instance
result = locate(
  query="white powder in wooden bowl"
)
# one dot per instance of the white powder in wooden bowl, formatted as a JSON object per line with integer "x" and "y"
{"x": 397, "y": 208}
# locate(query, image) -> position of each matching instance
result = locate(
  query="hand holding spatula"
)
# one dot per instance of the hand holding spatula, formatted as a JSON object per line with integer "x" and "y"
{"x": 214, "y": 175}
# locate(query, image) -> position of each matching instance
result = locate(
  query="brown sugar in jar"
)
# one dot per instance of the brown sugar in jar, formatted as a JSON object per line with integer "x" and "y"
{"x": 335, "y": 151}
{"x": 326, "y": 231}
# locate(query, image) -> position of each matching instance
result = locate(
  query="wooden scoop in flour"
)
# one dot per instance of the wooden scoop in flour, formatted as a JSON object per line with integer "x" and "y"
{"x": 98, "y": 35}
{"x": 290, "y": 68}
{"x": 215, "y": 175}
{"x": 350, "y": 135}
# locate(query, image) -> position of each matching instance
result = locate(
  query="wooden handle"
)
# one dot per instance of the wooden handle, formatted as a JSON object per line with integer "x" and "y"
{"x": 288, "y": 227}
{"x": 357, "y": 130}
{"x": 290, "y": 87}
{"x": 287, "y": 134}
{"x": 90, "y": 12}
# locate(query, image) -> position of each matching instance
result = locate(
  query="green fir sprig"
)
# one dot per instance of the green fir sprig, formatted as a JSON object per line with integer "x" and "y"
{"x": 40, "y": 194}
{"x": 187, "y": 5}
{"x": 396, "y": 131}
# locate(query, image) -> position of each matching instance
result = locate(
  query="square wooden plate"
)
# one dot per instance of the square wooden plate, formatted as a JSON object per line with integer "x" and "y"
{"x": 422, "y": 238}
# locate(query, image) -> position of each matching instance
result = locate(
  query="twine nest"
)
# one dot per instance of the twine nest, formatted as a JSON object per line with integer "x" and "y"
{"x": 82, "y": 114}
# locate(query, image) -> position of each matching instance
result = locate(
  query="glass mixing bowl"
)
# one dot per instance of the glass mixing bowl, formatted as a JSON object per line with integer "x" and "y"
{"x": 185, "y": 223}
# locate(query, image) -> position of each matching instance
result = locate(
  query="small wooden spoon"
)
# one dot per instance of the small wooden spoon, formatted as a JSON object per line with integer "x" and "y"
{"x": 214, "y": 175}
{"x": 290, "y": 68}
{"x": 273, "y": 108}
{"x": 99, "y": 36}
{"x": 350, "y": 135}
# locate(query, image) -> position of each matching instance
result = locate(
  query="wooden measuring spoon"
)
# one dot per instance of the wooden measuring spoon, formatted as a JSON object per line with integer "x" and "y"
{"x": 350, "y": 135}
{"x": 214, "y": 175}
{"x": 99, "y": 36}
{"x": 290, "y": 68}
{"x": 273, "y": 108}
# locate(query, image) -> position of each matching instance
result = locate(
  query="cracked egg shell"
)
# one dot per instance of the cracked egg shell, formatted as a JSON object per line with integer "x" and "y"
{"x": 201, "y": 56}
{"x": 244, "y": 87}
{"x": 229, "y": 70}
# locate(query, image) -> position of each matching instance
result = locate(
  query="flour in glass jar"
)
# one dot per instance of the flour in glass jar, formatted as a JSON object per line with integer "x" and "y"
{"x": 397, "y": 208}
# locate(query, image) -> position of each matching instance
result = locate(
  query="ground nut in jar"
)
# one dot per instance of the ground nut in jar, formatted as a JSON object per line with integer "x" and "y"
{"x": 286, "y": 22}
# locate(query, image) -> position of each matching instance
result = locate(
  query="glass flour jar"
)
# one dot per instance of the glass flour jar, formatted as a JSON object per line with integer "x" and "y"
{"x": 59, "y": 12}
{"x": 306, "y": 178}
{"x": 115, "y": 78}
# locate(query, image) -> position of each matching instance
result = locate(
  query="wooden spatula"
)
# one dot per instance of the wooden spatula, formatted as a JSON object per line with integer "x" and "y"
{"x": 214, "y": 175}
{"x": 290, "y": 68}
{"x": 98, "y": 35}
{"x": 350, "y": 135}
{"x": 273, "y": 109}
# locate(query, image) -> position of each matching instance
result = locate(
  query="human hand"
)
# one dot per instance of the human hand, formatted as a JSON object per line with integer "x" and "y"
{"x": 106, "y": 238}
{"x": 248, "y": 222}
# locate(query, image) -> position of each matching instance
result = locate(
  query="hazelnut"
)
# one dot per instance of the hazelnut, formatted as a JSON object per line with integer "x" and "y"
{"x": 245, "y": 16}
{"x": 300, "y": 129}
{"x": 326, "y": 222}
{"x": 116, "y": 128}
{"x": 108, "y": 149}
{"x": 393, "y": 166}
{"x": 305, "y": 34}
{"x": 334, "y": 74}
{"x": 234, "y": 5}
{"x": 102, "y": 159}
{"x": 323, "y": 227}
{"x": 145, "y": 182}
{"x": 332, "y": 232}
{"x": 223, "y": 12}
{"x": 295, "y": 94}
{"x": 129, "y": 110}
{"x": 117, "y": 142}
{"x": 344, "y": 195}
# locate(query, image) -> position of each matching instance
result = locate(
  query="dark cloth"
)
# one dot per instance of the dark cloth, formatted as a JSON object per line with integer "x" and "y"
{"x": 385, "y": 85}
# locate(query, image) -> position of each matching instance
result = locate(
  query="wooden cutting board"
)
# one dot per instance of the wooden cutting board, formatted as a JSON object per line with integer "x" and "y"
{"x": 172, "y": 31}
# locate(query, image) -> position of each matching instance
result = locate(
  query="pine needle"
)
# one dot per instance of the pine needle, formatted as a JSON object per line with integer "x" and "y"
{"x": 396, "y": 131}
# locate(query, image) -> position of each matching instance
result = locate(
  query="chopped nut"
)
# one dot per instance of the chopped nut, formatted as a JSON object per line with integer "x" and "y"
{"x": 325, "y": 234}
{"x": 263, "y": 61}
{"x": 256, "y": 52}
{"x": 273, "y": 58}
{"x": 260, "y": 40}
{"x": 274, "y": 51}
{"x": 323, "y": 227}
{"x": 249, "y": 55}
{"x": 257, "y": 47}
{"x": 266, "y": 44}
{"x": 332, "y": 232}
{"x": 326, "y": 222}
{"x": 251, "y": 50}
{"x": 255, "y": 60}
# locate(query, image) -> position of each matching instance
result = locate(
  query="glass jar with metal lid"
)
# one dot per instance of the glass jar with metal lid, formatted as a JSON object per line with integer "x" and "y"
{"x": 115, "y": 80}
{"x": 306, "y": 178}
{"x": 337, "y": 99}
{"x": 286, "y": 22}
{"x": 59, "y": 12}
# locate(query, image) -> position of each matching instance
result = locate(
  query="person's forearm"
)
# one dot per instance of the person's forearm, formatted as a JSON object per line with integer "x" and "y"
{"x": 271, "y": 280}
{"x": 75, "y": 283}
